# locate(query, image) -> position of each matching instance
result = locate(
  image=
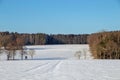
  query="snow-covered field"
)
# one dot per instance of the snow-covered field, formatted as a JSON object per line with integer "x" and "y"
{"x": 58, "y": 62}
{"x": 56, "y": 52}
{"x": 60, "y": 52}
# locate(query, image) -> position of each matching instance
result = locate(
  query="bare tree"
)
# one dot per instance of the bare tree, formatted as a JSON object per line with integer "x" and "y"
{"x": 78, "y": 54}
{"x": 23, "y": 52}
{"x": 1, "y": 51}
{"x": 20, "y": 45}
{"x": 31, "y": 53}
{"x": 8, "y": 54}
{"x": 85, "y": 53}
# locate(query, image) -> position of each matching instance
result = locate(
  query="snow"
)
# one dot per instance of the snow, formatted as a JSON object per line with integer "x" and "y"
{"x": 54, "y": 52}
{"x": 57, "y": 62}
{"x": 60, "y": 70}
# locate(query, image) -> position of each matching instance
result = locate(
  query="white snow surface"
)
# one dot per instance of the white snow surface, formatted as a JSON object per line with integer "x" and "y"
{"x": 57, "y": 62}
{"x": 59, "y": 52}
{"x": 55, "y": 52}
{"x": 60, "y": 70}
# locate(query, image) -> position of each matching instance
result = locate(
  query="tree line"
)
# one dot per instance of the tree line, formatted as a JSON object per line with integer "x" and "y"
{"x": 43, "y": 39}
{"x": 105, "y": 45}
{"x": 14, "y": 43}
{"x": 67, "y": 39}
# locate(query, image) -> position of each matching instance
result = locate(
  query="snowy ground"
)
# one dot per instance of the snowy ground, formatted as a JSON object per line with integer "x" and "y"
{"x": 58, "y": 62}
{"x": 60, "y": 52}
{"x": 56, "y": 52}
{"x": 60, "y": 70}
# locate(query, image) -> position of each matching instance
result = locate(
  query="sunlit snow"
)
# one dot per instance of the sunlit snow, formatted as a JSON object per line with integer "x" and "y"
{"x": 58, "y": 62}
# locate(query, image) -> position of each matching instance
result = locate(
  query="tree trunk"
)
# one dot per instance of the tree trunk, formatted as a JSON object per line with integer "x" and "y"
{"x": 22, "y": 56}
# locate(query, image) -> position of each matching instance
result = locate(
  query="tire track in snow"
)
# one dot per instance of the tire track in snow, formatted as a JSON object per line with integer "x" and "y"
{"x": 43, "y": 68}
{"x": 36, "y": 67}
{"x": 51, "y": 67}
{"x": 59, "y": 76}
{"x": 57, "y": 66}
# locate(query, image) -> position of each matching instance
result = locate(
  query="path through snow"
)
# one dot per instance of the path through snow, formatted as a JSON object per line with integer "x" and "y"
{"x": 60, "y": 70}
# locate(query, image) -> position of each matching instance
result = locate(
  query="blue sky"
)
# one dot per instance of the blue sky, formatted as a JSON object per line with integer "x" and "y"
{"x": 59, "y": 16}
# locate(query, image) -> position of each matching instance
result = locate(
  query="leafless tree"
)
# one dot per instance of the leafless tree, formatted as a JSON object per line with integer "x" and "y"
{"x": 78, "y": 54}
{"x": 23, "y": 52}
{"x": 31, "y": 53}
{"x": 85, "y": 53}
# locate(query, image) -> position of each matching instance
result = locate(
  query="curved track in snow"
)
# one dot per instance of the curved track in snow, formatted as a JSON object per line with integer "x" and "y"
{"x": 60, "y": 70}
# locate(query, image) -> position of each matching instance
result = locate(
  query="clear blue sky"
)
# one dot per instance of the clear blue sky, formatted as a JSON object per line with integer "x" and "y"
{"x": 59, "y": 16}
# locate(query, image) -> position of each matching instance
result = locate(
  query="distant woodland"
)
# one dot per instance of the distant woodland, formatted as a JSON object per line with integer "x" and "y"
{"x": 43, "y": 39}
